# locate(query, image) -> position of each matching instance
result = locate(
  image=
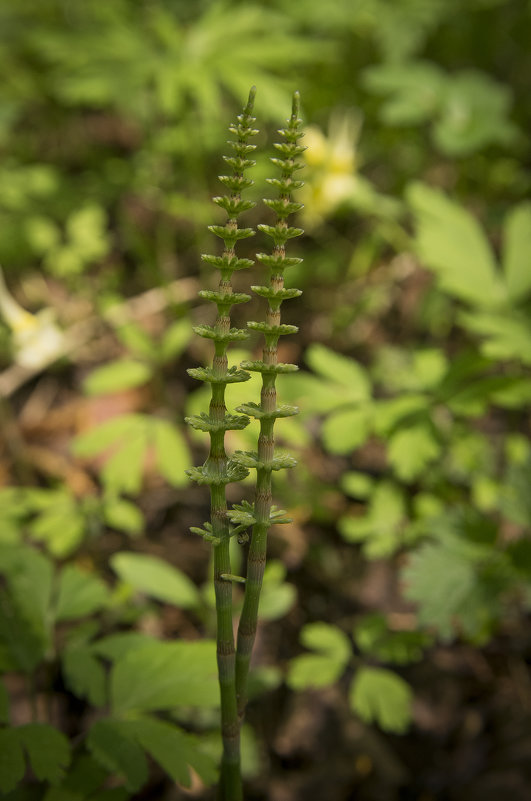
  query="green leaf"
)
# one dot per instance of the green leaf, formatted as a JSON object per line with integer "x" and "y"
{"x": 117, "y": 376}
{"x": 373, "y": 637}
{"x": 116, "y": 646}
{"x": 156, "y": 578}
{"x": 356, "y": 484}
{"x": 123, "y": 515}
{"x": 135, "y": 339}
{"x": 86, "y": 230}
{"x": 124, "y": 470}
{"x": 29, "y": 576}
{"x": 340, "y": 370}
{"x": 410, "y": 450}
{"x": 380, "y": 529}
{"x": 12, "y": 764}
{"x": 174, "y": 750}
{"x": 507, "y": 336}
{"x": 344, "y": 431}
{"x": 517, "y": 252}
{"x": 277, "y": 597}
{"x": 162, "y": 675}
{"x": 171, "y": 453}
{"x": 474, "y": 113}
{"x": 80, "y": 594}
{"x": 325, "y": 667}
{"x": 175, "y": 339}
{"x": 415, "y": 91}
{"x": 48, "y": 751}
{"x": 313, "y": 671}
{"x": 85, "y": 776}
{"x": 327, "y": 639}
{"x": 83, "y": 673}
{"x": 390, "y": 413}
{"x": 111, "y": 743}
{"x": 380, "y": 696}
{"x": 98, "y": 439}
{"x": 440, "y": 581}
{"x": 451, "y": 243}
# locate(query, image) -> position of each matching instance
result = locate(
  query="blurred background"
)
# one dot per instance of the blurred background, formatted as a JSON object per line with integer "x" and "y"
{"x": 393, "y": 653}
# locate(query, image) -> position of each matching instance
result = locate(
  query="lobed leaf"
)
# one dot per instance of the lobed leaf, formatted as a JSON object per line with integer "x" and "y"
{"x": 452, "y": 244}
{"x": 382, "y": 697}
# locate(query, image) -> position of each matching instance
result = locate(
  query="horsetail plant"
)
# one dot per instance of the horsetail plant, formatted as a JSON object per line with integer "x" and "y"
{"x": 263, "y": 514}
{"x": 219, "y": 470}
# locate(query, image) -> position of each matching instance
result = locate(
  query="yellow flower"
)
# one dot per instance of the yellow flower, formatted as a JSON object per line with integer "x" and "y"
{"x": 37, "y": 340}
{"x": 332, "y": 162}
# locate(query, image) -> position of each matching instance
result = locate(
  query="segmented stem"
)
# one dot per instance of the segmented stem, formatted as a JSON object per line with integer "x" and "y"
{"x": 264, "y": 459}
{"x": 218, "y": 470}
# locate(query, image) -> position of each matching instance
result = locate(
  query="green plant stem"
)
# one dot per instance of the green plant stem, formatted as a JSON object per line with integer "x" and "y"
{"x": 230, "y": 780}
{"x": 256, "y": 559}
{"x": 268, "y": 401}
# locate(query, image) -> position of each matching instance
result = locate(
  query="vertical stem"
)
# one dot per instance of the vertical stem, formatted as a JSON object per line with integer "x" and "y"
{"x": 256, "y": 559}
{"x": 230, "y": 787}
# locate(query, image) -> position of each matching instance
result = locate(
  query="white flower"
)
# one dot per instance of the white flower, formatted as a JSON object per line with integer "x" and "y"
{"x": 37, "y": 340}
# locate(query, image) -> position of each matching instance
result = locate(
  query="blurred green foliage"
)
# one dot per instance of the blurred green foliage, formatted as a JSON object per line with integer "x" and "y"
{"x": 415, "y": 389}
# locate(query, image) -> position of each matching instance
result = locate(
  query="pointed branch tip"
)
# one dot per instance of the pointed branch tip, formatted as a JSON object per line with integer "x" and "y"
{"x": 296, "y": 105}
{"x": 250, "y": 103}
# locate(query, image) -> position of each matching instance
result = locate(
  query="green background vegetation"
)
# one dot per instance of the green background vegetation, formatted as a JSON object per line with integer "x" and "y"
{"x": 394, "y": 622}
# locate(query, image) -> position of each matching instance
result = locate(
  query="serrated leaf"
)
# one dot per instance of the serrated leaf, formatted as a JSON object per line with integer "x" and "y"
{"x": 111, "y": 743}
{"x": 156, "y": 578}
{"x": 117, "y": 376}
{"x": 12, "y": 763}
{"x": 340, "y": 370}
{"x": 439, "y": 581}
{"x": 48, "y": 751}
{"x": 174, "y": 750}
{"x": 162, "y": 675}
{"x": 171, "y": 453}
{"x": 80, "y": 594}
{"x": 380, "y": 696}
{"x": 451, "y": 243}
{"x": 410, "y": 450}
{"x": 517, "y": 252}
